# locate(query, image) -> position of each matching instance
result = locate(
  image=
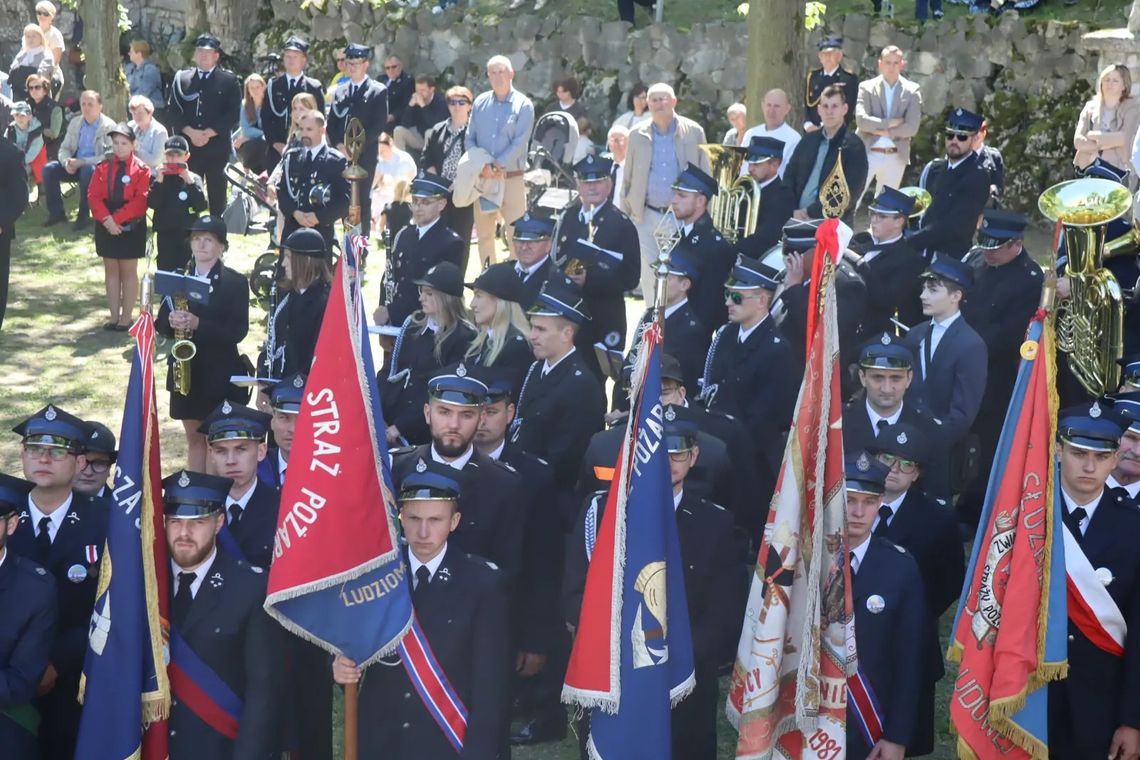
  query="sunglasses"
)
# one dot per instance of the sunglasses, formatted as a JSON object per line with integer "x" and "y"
{"x": 906, "y": 466}
{"x": 54, "y": 453}
{"x": 959, "y": 136}
{"x": 735, "y": 296}
{"x": 459, "y": 102}
{"x": 679, "y": 456}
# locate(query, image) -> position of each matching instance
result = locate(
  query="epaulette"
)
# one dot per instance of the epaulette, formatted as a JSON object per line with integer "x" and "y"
{"x": 714, "y": 504}
{"x": 504, "y": 465}
{"x": 401, "y": 450}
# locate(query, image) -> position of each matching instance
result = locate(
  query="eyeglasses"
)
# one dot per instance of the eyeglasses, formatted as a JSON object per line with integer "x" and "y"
{"x": 959, "y": 136}
{"x": 98, "y": 465}
{"x": 735, "y": 296}
{"x": 54, "y": 453}
{"x": 906, "y": 466}
{"x": 459, "y": 102}
{"x": 679, "y": 456}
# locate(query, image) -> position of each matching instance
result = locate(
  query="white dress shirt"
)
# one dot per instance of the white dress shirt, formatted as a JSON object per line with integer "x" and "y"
{"x": 200, "y": 572}
{"x": 547, "y": 366}
{"x": 432, "y": 564}
{"x": 459, "y": 462}
{"x": 1071, "y": 504}
{"x": 875, "y": 417}
{"x": 56, "y": 517}
{"x": 859, "y": 552}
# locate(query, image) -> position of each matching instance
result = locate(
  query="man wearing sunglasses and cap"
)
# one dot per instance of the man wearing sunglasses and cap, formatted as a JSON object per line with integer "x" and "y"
{"x": 418, "y": 247}
{"x": 204, "y": 105}
{"x": 63, "y": 531}
{"x": 746, "y": 371}
{"x": 890, "y": 614}
{"x": 960, "y": 188}
{"x": 1093, "y": 712}
{"x": 27, "y": 627}
{"x": 216, "y": 614}
{"x": 460, "y": 602}
{"x": 889, "y": 266}
{"x": 277, "y": 108}
{"x": 929, "y": 531}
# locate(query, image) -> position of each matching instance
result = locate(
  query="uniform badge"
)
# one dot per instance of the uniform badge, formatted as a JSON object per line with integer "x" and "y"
{"x": 298, "y": 382}
{"x": 613, "y": 338}
{"x": 226, "y": 408}
{"x": 901, "y": 437}
{"x": 126, "y": 180}
{"x": 885, "y": 339}
{"x": 77, "y": 573}
{"x": 443, "y": 574}
{"x": 216, "y": 580}
{"x": 696, "y": 239}
{"x": 72, "y": 517}
{"x": 183, "y": 196}
{"x": 862, "y": 463}
{"x": 461, "y": 371}
{"x": 40, "y": 570}
{"x": 421, "y": 465}
{"x": 876, "y": 604}
{"x": 49, "y": 413}
{"x": 1104, "y": 575}
{"x": 91, "y": 553}
{"x": 1094, "y": 410}
{"x": 184, "y": 480}
{"x": 670, "y": 414}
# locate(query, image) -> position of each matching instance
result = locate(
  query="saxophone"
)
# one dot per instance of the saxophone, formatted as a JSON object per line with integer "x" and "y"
{"x": 183, "y": 350}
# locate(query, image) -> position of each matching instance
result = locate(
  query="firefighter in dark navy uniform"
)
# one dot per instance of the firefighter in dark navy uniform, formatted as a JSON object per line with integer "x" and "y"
{"x": 830, "y": 72}
{"x": 312, "y": 191}
{"x": 277, "y": 108}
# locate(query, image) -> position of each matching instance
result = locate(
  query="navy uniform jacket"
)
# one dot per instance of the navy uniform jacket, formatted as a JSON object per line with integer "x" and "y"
{"x": 686, "y": 340}
{"x": 277, "y": 108}
{"x": 951, "y": 387}
{"x": 777, "y": 203}
{"x": 176, "y": 204}
{"x": 370, "y": 105}
{"x": 817, "y": 81}
{"x": 410, "y": 258}
{"x": 463, "y": 613}
{"x": 714, "y": 258}
{"x": 514, "y": 357}
{"x": 28, "y": 598}
{"x": 296, "y": 326}
{"x": 1102, "y": 692}
{"x": 399, "y": 93}
{"x": 492, "y": 503}
{"x": 854, "y": 155}
{"x": 231, "y": 633}
{"x": 299, "y": 174}
{"x": 929, "y": 531}
{"x": 267, "y": 470}
{"x": 893, "y": 287}
{"x": 535, "y": 280}
{"x": 403, "y": 399}
{"x": 212, "y": 103}
{"x": 609, "y": 278}
{"x": 74, "y": 564}
{"x": 13, "y": 188}
{"x": 222, "y": 324}
{"x": 959, "y": 195}
{"x": 858, "y": 435}
{"x": 257, "y": 528}
{"x": 1001, "y": 303}
{"x": 754, "y": 385}
{"x": 890, "y": 655}
{"x": 851, "y": 294}
{"x": 558, "y": 413}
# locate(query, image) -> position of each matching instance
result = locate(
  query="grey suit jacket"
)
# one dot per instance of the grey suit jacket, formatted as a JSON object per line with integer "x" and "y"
{"x": 871, "y": 113}
{"x": 635, "y": 175}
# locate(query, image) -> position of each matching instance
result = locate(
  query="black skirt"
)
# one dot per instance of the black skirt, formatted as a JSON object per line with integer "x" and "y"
{"x": 131, "y": 244}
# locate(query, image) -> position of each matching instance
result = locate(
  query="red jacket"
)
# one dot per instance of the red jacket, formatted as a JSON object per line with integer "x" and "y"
{"x": 134, "y": 184}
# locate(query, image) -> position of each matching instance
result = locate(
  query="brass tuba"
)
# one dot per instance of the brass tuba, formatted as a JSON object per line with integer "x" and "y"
{"x": 1090, "y": 325}
{"x": 182, "y": 351}
{"x": 736, "y": 208}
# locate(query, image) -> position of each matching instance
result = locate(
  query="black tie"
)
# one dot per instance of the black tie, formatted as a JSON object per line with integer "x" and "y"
{"x": 43, "y": 540}
{"x": 423, "y": 578}
{"x": 182, "y": 598}
{"x": 880, "y": 426}
{"x": 520, "y": 272}
{"x": 293, "y": 85}
{"x": 1073, "y": 520}
{"x": 235, "y": 511}
{"x": 851, "y": 561}
{"x": 351, "y": 91}
{"x": 884, "y": 515}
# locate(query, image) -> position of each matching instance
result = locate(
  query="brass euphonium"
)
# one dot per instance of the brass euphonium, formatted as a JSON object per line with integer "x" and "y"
{"x": 922, "y": 200}
{"x": 1090, "y": 325}
{"x": 182, "y": 351}
{"x": 736, "y": 208}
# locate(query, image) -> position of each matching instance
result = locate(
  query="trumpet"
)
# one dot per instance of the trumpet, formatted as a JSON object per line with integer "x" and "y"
{"x": 183, "y": 351}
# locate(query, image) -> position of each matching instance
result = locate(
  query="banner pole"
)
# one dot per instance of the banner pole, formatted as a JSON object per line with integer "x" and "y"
{"x": 351, "y": 719}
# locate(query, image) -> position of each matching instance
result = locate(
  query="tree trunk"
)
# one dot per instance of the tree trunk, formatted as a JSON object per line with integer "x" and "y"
{"x": 103, "y": 69}
{"x": 775, "y": 54}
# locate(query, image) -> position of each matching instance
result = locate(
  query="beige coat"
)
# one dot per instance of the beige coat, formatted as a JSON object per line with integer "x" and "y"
{"x": 1115, "y": 143}
{"x": 871, "y": 113}
{"x": 70, "y": 142}
{"x": 635, "y": 175}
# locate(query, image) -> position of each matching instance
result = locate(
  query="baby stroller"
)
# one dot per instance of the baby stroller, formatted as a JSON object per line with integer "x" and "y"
{"x": 550, "y": 180}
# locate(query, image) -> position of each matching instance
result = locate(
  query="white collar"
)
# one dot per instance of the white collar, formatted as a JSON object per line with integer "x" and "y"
{"x": 528, "y": 271}
{"x": 200, "y": 572}
{"x": 677, "y": 499}
{"x": 315, "y": 150}
{"x": 875, "y": 416}
{"x": 745, "y": 333}
{"x": 547, "y": 366}
{"x": 1132, "y": 489}
{"x": 459, "y": 462}
{"x": 1090, "y": 508}
{"x": 830, "y": 73}
{"x": 886, "y": 242}
{"x": 243, "y": 500}
{"x": 282, "y": 463}
{"x": 56, "y": 517}
{"x": 773, "y": 179}
{"x": 894, "y": 507}
{"x": 954, "y": 164}
{"x": 946, "y": 322}
{"x": 3, "y": 556}
{"x": 859, "y": 551}
{"x": 206, "y": 72}
{"x": 497, "y": 454}
{"x": 423, "y": 230}
{"x": 669, "y": 310}
{"x": 432, "y": 564}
